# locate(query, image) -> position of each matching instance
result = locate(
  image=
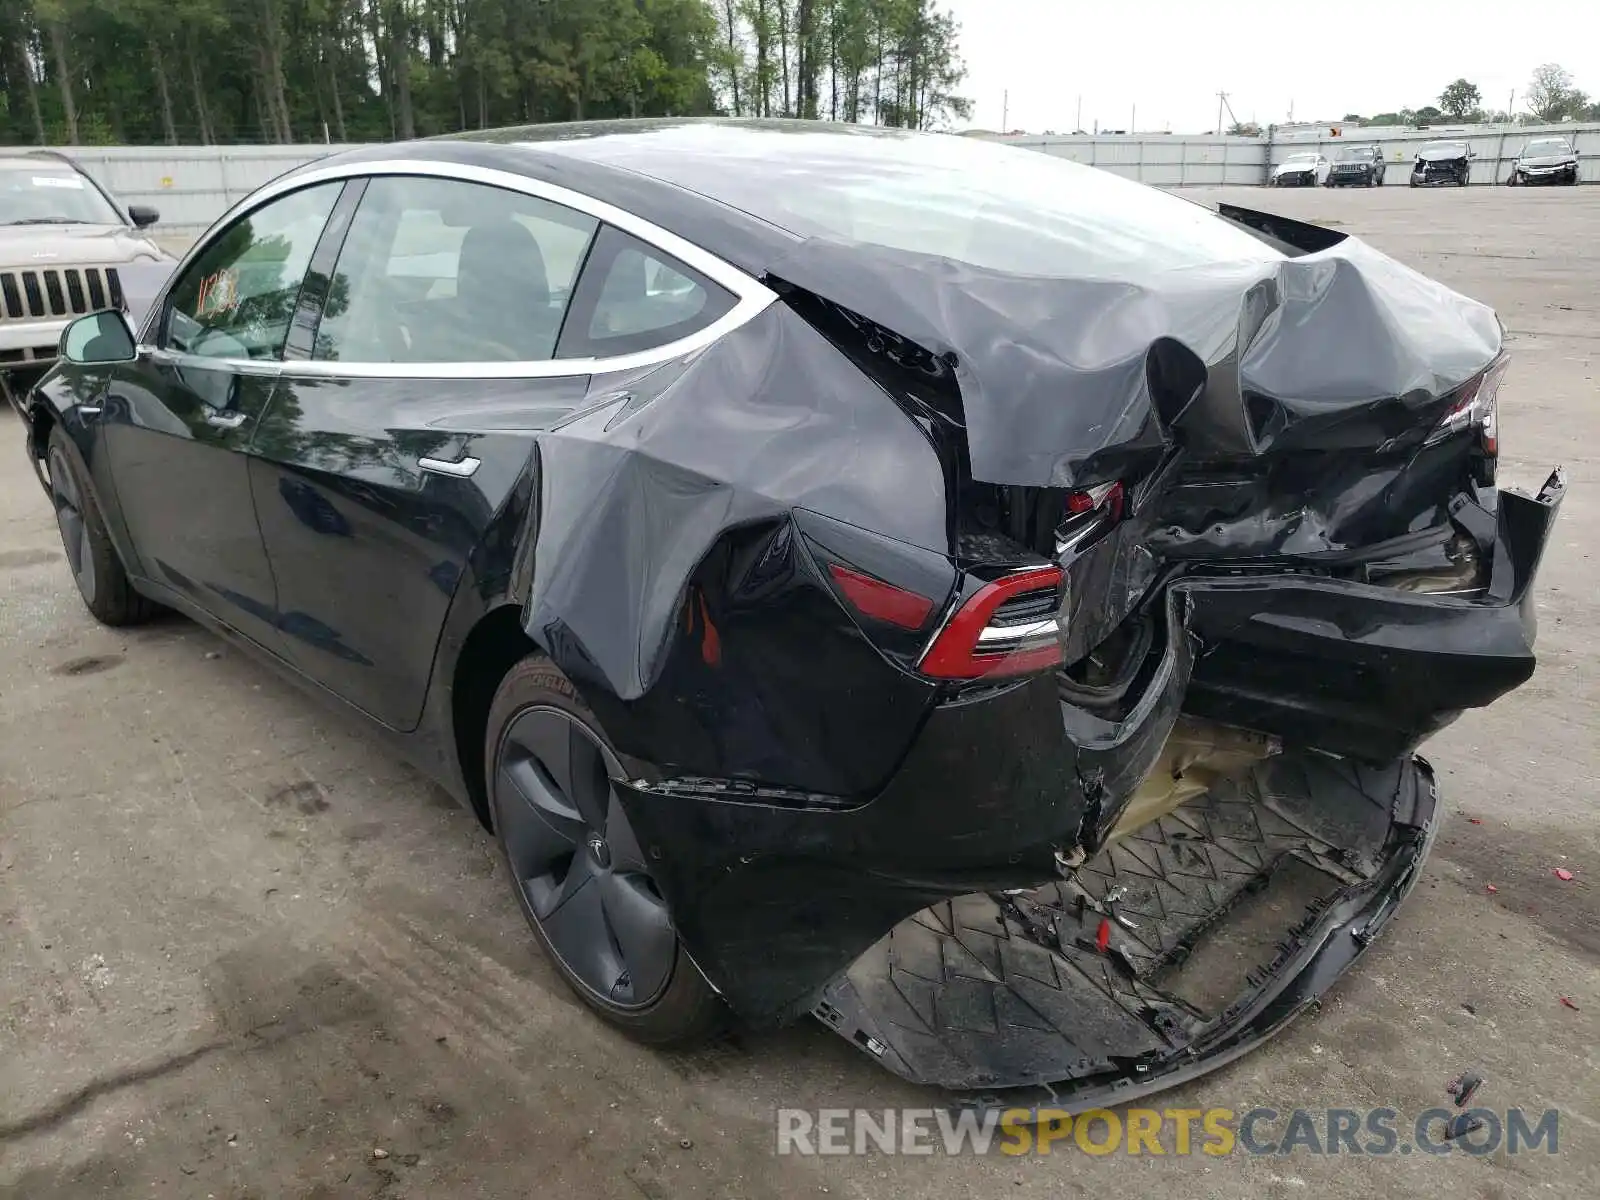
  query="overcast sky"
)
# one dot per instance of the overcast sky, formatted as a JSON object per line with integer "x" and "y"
{"x": 1169, "y": 58}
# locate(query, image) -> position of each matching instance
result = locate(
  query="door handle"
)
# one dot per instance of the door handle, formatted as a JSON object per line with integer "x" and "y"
{"x": 226, "y": 420}
{"x": 462, "y": 468}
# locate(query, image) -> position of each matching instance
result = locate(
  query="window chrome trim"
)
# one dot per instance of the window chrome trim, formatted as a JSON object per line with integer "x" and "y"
{"x": 752, "y": 296}
{"x": 265, "y": 367}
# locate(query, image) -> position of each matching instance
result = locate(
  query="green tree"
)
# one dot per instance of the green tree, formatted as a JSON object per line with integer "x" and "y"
{"x": 217, "y": 71}
{"x": 1551, "y": 96}
{"x": 1460, "y": 98}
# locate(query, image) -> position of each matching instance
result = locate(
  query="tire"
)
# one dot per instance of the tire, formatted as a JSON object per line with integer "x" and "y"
{"x": 97, "y": 569}
{"x": 548, "y": 764}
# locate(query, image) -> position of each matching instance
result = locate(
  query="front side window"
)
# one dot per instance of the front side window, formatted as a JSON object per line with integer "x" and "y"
{"x": 236, "y": 299}
{"x": 634, "y": 297}
{"x": 443, "y": 271}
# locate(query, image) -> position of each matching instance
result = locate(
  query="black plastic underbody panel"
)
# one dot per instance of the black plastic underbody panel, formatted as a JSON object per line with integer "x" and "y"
{"x": 995, "y": 991}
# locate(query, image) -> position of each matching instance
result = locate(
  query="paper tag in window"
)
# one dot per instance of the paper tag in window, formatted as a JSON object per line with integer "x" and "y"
{"x": 58, "y": 181}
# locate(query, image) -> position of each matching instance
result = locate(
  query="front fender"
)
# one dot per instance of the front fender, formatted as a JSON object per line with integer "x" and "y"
{"x": 58, "y": 400}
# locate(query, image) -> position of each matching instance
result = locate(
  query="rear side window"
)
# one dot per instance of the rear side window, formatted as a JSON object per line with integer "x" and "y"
{"x": 442, "y": 271}
{"x": 633, "y": 297}
{"x": 236, "y": 298}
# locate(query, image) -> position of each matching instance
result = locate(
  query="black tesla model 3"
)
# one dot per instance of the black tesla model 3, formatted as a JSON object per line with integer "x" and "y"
{"x": 910, "y": 580}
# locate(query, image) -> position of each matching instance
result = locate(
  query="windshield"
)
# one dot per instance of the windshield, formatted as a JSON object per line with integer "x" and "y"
{"x": 1549, "y": 146}
{"x": 46, "y": 194}
{"x": 1300, "y": 159}
{"x": 1356, "y": 154}
{"x": 1440, "y": 148}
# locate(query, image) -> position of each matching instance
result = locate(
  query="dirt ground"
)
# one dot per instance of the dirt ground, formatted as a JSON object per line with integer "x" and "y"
{"x": 241, "y": 948}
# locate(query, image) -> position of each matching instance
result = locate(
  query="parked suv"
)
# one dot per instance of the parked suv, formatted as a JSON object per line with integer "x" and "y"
{"x": 1358, "y": 165}
{"x": 1545, "y": 160}
{"x": 62, "y": 240}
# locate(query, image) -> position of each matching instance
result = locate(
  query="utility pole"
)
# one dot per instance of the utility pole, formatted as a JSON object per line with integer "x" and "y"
{"x": 1005, "y": 111}
{"x": 1511, "y": 107}
{"x": 1133, "y": 119}
{"x": 1222, "y": 99}
{"x": 1077, "y": 126}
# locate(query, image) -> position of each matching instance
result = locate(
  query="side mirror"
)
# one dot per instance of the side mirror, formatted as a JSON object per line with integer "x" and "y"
{"x": 143, "y": 215}
{"x": 101, "y": 337}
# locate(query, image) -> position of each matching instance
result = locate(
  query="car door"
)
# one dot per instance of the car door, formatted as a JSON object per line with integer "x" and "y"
{"x": 177, "y": 421}
{"x": 420, "y": 366}
{"x": 409, "y": 406}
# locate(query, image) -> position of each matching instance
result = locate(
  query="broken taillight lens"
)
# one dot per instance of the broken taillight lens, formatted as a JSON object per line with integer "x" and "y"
{"x": 1476, "y": 406}
{"x": 1089, "y": 514}
{"x": 1007, "y": 627}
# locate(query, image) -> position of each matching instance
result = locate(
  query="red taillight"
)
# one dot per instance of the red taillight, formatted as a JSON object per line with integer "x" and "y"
{"x": 1007, "y": 628}
{"x": 879, "y": 600}
{"x": 1089, "y": 514}
{"x": 1107, "y": 494}
{"x": 1477, "y": 405}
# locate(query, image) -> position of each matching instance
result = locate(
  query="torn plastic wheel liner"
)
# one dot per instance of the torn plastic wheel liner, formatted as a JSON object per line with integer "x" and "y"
{"x": 1016, "y": 631}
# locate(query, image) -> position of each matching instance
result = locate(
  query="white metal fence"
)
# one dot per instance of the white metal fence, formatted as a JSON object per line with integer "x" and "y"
{"x": 1186, "y": 160}
{"x": 1162, "y": 160}
{"x": 193, "y": 185}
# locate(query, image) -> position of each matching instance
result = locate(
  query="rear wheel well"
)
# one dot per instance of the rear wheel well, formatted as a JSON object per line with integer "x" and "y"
{"x": 495, "y": 645}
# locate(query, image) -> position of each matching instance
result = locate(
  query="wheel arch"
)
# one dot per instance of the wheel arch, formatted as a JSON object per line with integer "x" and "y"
{"x": 495, "y": 643}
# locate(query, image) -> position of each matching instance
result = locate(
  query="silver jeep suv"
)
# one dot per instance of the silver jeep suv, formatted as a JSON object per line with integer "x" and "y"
{"x": 62, "y": 240}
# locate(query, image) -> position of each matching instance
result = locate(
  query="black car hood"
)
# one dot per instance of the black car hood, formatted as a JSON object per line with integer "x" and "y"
{"x": 1064, "y": 380}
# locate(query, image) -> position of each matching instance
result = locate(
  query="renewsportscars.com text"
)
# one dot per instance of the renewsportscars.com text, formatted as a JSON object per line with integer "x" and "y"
{"x": 1171, "y": 1131}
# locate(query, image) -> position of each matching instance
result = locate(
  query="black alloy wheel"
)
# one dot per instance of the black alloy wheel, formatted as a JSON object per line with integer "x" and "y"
{"x": 70, "y": 520}
{"x": 584, "y": 883}
{"x": 97, "y": 569}
{"x": 582, "y": 875}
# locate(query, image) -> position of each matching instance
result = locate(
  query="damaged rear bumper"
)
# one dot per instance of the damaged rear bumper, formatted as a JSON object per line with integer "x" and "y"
{"x": 1365, "y": 670}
